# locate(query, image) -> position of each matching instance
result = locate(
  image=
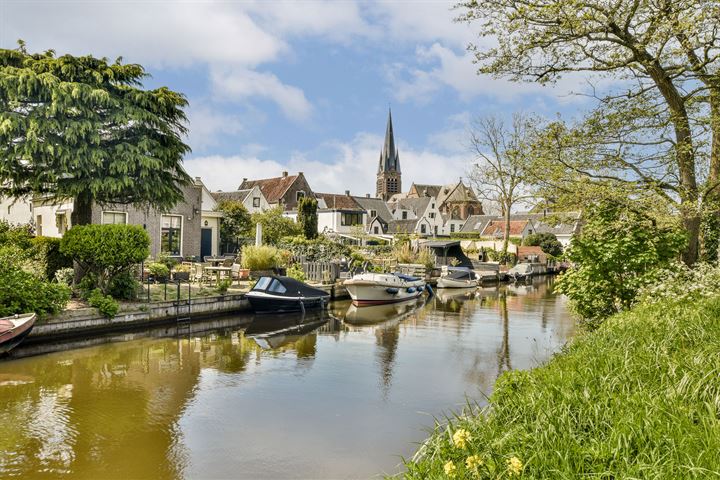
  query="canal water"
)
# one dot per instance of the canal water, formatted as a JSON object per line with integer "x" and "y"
{"x": 321, "y": 397}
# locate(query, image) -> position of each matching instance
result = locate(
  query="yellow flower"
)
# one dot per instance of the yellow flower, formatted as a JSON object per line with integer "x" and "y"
{"x": 461, "y": 437}
{"x": 450, "y": 469}
{"x": 515, "y": 466}
{"x": 473, "y": 462}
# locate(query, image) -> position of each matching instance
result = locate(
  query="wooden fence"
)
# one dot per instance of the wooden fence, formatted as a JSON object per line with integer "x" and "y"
{"x": 325, "y": 272}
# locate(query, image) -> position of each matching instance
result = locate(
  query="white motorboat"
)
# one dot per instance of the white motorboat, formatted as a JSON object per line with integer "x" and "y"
{"x": 457, "y": 277}
{"x": 379, "y": 288}
{"x": 521, "y": 271}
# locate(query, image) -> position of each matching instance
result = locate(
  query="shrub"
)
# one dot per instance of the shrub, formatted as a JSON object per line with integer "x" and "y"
{"x": 167, "y": 260}
{"x": 19, "y": 235}
{"x": 223, "y": 285}
{"x": 106, "y": 250}
{"x": 158, "y": 270}
{"x": 65, "y": 276}
{"x": 263, "y": 257}
{"x": 125, "y": 286}
{"x": 295, "y": 271}
{"x": 47, "y": 251}
{"x": 320, "y": 249}
{"x": 22, "y": 291}
{"x": 547, "y": 242}
{"x": 104, "y": 303}
{"x": 275, "y": 225}
{"x": 308, "y": 217}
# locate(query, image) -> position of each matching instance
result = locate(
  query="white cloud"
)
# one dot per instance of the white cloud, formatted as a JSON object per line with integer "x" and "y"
{"x": 207, "y": 125}
{"x": 241, "y": 84}
{"x": 353, "y": 168}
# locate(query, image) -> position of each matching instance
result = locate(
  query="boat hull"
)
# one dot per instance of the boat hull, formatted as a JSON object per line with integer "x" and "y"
{"x": 12, "y": 337}
{"x": 379, "y": 289}
{"x": 444, "y": 282}
{"x": 270, "y": 304}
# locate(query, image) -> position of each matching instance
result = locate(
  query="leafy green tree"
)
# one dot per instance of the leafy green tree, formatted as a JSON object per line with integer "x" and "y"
{"x": 275, "y": 225}
{"x": 660, "y": 129}
{"x": 619, "y": 251}
{"x": 106, "y": 252}
{"x": 236, "y": 222}
{"x": 547, "y": 242}
{"x": 308, "y": 217}
{"x": 84, "y": 128}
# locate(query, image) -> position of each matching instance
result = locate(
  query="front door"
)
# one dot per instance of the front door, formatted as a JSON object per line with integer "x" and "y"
{"x": 205, "y": 242}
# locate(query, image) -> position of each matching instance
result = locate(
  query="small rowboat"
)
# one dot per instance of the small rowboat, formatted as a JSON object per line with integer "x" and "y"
{"x": 13, "y": 330}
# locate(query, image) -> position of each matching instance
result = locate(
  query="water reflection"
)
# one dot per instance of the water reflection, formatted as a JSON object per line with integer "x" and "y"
{"x": 323, "y": 396}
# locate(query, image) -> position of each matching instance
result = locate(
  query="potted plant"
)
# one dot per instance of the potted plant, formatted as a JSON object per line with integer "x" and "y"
{"x": 159, "y": 272}
{"x": 259, "y": 260}
{"x": 181, "y": 272}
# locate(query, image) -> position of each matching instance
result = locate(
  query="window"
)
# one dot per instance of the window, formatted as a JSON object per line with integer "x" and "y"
{"x": 298, "y": 195}
{"x": 171, "y": 234}
{"x": 277, "y": 287}
{"x": 436, "y": 229}
{"x": 61, "y": 222}
{"x": 351, "y": 219}
{"x": 431, "y": 215}
{"x": 452, "y": 228}
{"x": 114, "y": 218}
{"x": 256, "y": 202}
{"x": 404, "y": 215}
{"x": 262, "y": 283}
{"x": 376, "y": 230}
{"x": 423, "y": 229}
{"x": 373, "y": 213}
{"x": 38, "y": 225}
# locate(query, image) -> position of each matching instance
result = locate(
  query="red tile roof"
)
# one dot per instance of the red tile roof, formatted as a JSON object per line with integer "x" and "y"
{"x": 272, "y": 188}
{"x": 498, "y": 227}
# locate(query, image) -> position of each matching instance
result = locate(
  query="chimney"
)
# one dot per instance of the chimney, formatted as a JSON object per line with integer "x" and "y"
{"x": 367, "y": 195}
{"x": 244, "y": 179}
{"x": 197, "y": 179}
{"x": 347, "y": 192}
{"x": 285, "y": 174}
{"x": 300, "y": 173}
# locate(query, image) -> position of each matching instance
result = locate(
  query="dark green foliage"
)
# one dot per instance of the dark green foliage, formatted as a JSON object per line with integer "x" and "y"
{"x": 48, "y": 249}
{"x": 84, "y": 128}
{"x": 319, "y": 250}
{"x": 308, "y": 217}
{"x": 104, "y": 303}
{"x": 547, "y": 242}
{"x": 124, "y": 286}
{"x": 636, "y": 398}
{"x": 106, "y": 251}
{"x": 223, "y": 285}
{"x": 24, "y": 292}
{"x": 18, "y": 235}
{"x": 236, "y": 222}
{"x": 275, "y": 226}
{"x": 619, "y": 251}
{"x": 710, "y": 234}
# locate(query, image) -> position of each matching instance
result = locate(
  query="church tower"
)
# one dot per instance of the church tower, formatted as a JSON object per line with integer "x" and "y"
{"x": 389, "y": 177}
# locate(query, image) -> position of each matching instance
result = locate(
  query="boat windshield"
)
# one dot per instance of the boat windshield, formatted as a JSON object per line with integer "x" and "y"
{"x": 262, "y": 283}
{"x": 277, "y": 287}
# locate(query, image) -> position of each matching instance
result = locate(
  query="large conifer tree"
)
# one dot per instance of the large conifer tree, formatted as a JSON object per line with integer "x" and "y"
{"x": 84, "y": 128}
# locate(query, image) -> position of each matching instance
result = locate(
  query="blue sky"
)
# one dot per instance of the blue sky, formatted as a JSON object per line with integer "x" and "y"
{"x": 299, "y": 86}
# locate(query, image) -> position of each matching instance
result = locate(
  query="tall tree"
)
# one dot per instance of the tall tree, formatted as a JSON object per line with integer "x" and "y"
{"x": 666, "y": 55}
{"x": 308, "y": 217}
{"x": 83, "y": 128}
{"x": 501, "y": 169}
{"x": 235, "y": 224}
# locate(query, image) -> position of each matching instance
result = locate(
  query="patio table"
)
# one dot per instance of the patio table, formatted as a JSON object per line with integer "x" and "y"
{"x": 218, "y": 271}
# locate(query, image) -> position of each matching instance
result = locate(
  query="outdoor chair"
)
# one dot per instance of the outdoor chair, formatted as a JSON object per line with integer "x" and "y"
{"x": 228, "y": 262}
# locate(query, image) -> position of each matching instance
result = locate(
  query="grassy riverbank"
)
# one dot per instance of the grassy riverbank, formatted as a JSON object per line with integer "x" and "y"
{"x": 639, "y": 398}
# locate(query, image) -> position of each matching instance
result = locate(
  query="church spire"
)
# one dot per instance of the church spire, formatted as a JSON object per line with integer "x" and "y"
{"x": 388, "y": 174}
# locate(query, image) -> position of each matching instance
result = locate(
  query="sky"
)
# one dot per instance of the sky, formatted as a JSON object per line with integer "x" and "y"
{"x": 305, "y": 86}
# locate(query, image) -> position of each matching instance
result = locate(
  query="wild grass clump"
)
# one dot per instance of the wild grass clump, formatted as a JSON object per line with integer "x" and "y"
{"x": 637, "y": 398}
{"x": 263, "y": 257}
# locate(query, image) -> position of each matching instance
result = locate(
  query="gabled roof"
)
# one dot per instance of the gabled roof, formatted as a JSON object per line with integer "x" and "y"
{"x": 477, "y": 223}
{"x": 426, "y": 190}
{"x": 402, "y": 226}
{"x": 336, "y": 201}
{"x": 377, "y": 204}
{"x": 560, "y": 223}
{"x": 238, "y": 195}
{"x": 416, "y": 205}
{"x": 458, "y": 191}
{"x": 272, "y": 188}
{"x": 497, "y": 228}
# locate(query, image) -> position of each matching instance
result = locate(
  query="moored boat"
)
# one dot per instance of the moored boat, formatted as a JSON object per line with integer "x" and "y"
{"x": 275, "y": 294}
{"x": 13, "y": 330}
{"x": 521, "y": 271}
{"x": 457, "y": 277}
{"x": 379, "y": 288}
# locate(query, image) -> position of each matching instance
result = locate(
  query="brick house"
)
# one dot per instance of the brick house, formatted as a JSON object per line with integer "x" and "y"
{"x": 283, "y": 191}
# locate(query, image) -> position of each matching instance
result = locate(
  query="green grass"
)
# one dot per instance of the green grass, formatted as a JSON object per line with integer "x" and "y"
{"x": 638, "y": 398}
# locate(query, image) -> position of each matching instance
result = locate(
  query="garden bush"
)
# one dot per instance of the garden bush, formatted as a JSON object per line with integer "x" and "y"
{"x": 20, "y": 236}
{"x": 106, "y": 251}
{"x": 223, "y": 285}
{"x": 159, "y": 271}
{"x": 23, "y": 291}
{"x": 65, "y": 276}
{"x": 105, "y": 304}
{"x": 47, "y": 250}
{"x": 295, "y": 271}
{"x": 125, "y": 286}
{"x": 320, "y": 249}
{"x": 264, "y": 257}
{"x": 547, "y": 242}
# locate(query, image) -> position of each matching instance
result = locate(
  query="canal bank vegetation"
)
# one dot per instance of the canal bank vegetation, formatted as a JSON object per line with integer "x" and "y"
{"x": 637, "y": 398}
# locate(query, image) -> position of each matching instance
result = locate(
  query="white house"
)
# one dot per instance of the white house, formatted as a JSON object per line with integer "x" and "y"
{"x": 17, "y": 211}
{"x": 339, "y": 213}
